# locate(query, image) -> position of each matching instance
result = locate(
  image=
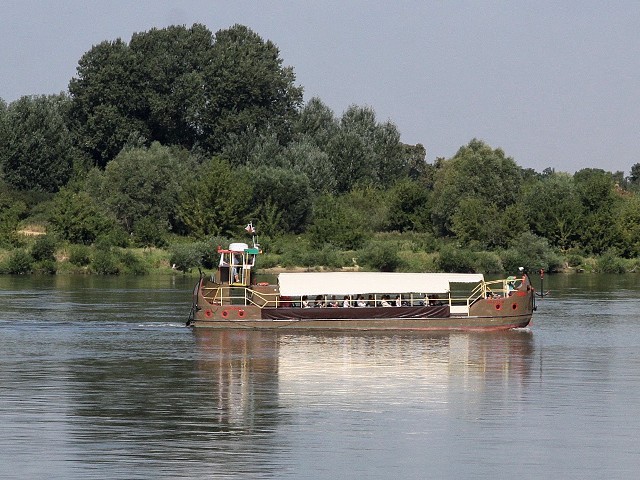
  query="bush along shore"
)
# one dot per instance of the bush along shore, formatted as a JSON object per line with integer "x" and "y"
{"x": 406, "y": 252}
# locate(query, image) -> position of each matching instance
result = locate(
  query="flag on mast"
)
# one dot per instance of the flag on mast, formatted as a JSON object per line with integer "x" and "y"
{"x": 250, "y": 228}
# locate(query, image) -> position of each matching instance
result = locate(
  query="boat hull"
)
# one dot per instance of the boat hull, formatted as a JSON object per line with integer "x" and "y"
{"x": 391, "y": 318}
{"x": 400, "y": 324}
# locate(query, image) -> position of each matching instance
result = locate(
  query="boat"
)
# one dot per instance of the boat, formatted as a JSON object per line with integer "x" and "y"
{"x": 232, "y": 298}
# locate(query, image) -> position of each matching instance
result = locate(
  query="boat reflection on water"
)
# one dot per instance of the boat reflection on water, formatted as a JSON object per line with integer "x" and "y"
{"x": 249, "y": 371}
{"x": 241, "y": 367}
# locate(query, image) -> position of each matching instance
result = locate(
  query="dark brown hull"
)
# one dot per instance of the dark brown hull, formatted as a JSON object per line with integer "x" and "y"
{"x": 392, "y": 318}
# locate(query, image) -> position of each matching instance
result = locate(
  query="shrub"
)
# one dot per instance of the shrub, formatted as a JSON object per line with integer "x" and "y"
{"x": 47, "y": 266}
{"x": 209, "y": 251}
{"x": 79, "y": 255}
{"x": 133, "y": 264}
{"x": 116, "y": 237}
{"x": 19, "y": 262}
{"x": 382, "y": 256}
{"x": 531, "y": 252}
{"x": 487, "y": 262}
{"x": 44, "y": 248}
{"x": 268, "y": 261}
{"x": 104, "y": 263}
{"x": 327, "y": 256}
{"x": 411, "y": 261}
{"x": 574, "y": 260}
{"x": 456, "y": 260}
{"x": 149, "y": 232}
{"x": 609, "y": 262}
{"x": 186, "y": 256}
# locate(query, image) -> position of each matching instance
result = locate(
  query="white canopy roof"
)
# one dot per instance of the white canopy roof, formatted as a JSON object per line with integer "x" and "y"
{"x": 355, "y": 283}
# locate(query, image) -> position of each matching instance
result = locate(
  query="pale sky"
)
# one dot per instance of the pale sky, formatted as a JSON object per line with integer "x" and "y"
{"x": 554, "y": 84}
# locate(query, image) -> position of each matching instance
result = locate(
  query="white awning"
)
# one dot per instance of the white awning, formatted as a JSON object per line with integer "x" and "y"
{"x": 355, "y": 283}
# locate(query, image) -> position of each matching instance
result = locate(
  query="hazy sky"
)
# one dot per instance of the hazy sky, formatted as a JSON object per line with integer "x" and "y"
{"x": 554, "y": 84}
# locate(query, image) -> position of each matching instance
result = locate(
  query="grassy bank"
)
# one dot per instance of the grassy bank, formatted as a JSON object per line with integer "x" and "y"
{"x": 389, "y": 252}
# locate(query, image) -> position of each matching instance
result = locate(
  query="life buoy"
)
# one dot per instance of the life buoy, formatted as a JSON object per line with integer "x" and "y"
{"x": 241, "y": 313}
{"x": 498, "y": 306}
{"x": 225, "y": 314}
{"x": 208, "y": 313}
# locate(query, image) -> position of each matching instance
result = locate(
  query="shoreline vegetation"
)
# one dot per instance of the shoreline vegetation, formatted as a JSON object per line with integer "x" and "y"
{"x": 39, "y": 253}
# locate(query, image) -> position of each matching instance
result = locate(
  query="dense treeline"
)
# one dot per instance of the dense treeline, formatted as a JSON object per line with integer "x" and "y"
{"x": 180, "y": 137}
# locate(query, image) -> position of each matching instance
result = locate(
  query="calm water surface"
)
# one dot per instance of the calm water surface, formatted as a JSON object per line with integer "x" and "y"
{"x": 99, "y": 378}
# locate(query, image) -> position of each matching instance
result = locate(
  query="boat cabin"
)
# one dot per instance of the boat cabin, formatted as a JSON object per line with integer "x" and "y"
{"x": 236, "y": 264}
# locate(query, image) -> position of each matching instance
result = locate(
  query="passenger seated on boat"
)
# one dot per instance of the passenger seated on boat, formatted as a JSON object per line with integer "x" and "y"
{"x": 371, "y": 302}
{"x": 319, "y": 302}
{"x": 384, "y": 301}
{"x": 398, "y": 301}
{"x": 236, "y": 260}
{"x": 346, "y": 303}
{"x": 361, "y": 302}
{"x": 435, "y": 301}
{"x": 305, "y": 302}
{"x": 333, "y": 303}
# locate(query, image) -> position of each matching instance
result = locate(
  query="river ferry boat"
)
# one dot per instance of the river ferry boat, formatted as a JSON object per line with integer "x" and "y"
{"x": 232, "y": 299}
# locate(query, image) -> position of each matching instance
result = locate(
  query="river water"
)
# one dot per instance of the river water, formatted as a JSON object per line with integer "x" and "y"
{"x": 99, "y": 379}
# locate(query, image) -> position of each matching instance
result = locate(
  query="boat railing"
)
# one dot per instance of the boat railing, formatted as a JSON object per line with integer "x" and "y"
{"x": 262, "y": 300}
{"x": 494, "y": 288}
{"x": 216, "y": 298}
{"x": 460, "y": 305}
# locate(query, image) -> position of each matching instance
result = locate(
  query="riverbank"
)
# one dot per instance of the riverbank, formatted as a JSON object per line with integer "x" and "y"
{"x": 42, "y": 254}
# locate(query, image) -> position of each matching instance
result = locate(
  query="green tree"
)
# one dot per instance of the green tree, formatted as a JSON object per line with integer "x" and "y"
{"x": 215, "y": 202}
{"x": 107, "y": 100}
{"x": 408, "y": 207}
{"x": 348, "y": 155}
{"x": 144, "y": 182}
{"x": 554, "y": 209}
{"x": 335, "y": 223}
{"x": 634, "y": 178}
{"x": 181, "y": 86}
{"x": 246, "y": 86}
{"x": 12, "y": 211}
{"x": 171, "y": 62}
{"x": 4, "y": 127}
{"x": 365, "y": 152}
{"x": 316, "y": 123}
{"x": 307, "y": 158}
{"x": 475, "y": 171}
{"x": 37, "y": 152}
{"x": 77, "y": 218}
{"x": 44, "y": 248}
{"x": 627, "y": 227}
{"x": 417, "y": 167}
{"x": 287, "y": 190}
{"x": 476, "y": 222}
{"x": 596, "y": 190}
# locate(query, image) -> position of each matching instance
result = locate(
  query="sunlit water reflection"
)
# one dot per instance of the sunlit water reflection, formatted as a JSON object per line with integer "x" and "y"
{"x": 99, "y": 378}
